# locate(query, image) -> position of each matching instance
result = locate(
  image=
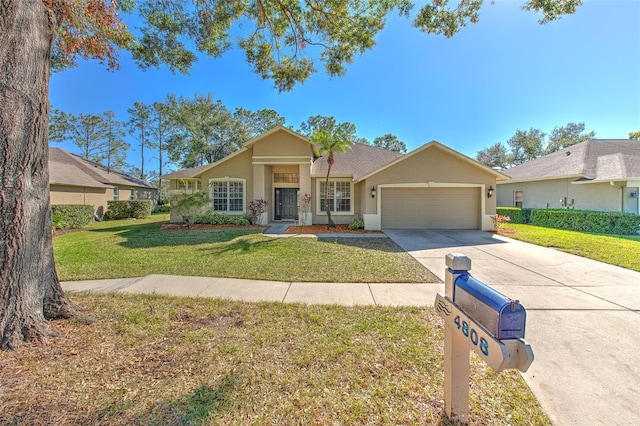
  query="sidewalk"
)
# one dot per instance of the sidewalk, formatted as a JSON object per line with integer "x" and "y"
{"x": 345, "y": 294}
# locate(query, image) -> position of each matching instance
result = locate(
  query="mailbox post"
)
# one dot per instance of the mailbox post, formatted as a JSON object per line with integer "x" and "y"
{"x": 479, "y": 318}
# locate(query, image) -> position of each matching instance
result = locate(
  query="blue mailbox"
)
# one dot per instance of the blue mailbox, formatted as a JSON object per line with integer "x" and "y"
{"x": 501, "y": 316}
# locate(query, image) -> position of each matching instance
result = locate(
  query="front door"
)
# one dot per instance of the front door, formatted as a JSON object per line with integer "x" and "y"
{"x": 286, "y": 203}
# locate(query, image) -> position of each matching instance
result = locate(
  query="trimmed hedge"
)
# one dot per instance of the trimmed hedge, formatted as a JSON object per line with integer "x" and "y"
{"x": 128, "y": 209}
{"x": 587, "y": 221}
{"x": 516, "y": 214}
{"x": 212, "y": 218}
{"x": 164, "y": 208}
{"x": 71, "y": 216}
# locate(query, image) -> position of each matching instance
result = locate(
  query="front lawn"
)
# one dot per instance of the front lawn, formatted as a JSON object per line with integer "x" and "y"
{"x": 153, "y": 360}
{"x": 134, "y": 248}
{"x": 619, "y": 250}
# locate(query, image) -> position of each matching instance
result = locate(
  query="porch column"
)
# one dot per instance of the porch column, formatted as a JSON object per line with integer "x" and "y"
{"x": 305, "y": 188}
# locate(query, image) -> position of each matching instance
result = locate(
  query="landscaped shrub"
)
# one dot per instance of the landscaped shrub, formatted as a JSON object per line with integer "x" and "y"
{"x": 214, "y": 218}
{"x": 128, "y": 209}
{"x": 164, "y": 208}
{"x": 71, "y": 216}
{"x": 189, "y": 205}
{"x": 356, "y": 223}
{"x": 256, "y": 208}
{"x": 587, "y": 221}
{"x": 515, "y": 214}
{"x": 499, "y": 220}
{"x": 140, "y": 208}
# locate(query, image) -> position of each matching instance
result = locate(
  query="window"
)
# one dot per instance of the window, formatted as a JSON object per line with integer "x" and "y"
{"x": 115, "y": 193}
{"x": 132, "y": 195}
{"x": 286, "y": 178}
{"x": 517, "y": 198}
{"x": 228, "y": 196}
{"x": 339, "y": 196}
{"x": 186, "y": 185}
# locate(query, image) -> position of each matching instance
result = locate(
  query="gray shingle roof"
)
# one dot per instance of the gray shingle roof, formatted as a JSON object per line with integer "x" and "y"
{"x": 66, "y": 168}
{"x": 593, "y": 160}
{"x": 186, "y": 173}
{"x": 357, "y": 161}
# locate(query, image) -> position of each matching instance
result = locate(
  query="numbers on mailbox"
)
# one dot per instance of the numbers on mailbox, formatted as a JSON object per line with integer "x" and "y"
{"x": 472, "y": 334}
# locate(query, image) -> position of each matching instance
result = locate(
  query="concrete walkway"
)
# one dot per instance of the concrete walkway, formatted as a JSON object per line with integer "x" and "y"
{"x": 346, "y": 294}
{"x": 583, "y": 316}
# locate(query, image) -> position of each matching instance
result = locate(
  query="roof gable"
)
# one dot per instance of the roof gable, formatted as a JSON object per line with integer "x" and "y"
{"x": 436, "y": 145}
{"x": 195, "y": 172}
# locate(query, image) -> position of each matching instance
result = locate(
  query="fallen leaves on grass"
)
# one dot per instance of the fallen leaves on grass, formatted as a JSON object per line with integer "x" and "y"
{"x": 180, "y": 361}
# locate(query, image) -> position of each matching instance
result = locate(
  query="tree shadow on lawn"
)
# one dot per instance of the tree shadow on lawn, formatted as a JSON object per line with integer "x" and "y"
{"x": 150, "y": 235}
{"x": 199, "y": 407}
{"x": 380, "y": 244}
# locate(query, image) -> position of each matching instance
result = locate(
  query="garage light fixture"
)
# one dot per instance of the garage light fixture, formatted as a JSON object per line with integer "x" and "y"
{"x": 490, "y": 192}
{"x": 373, "y": 192}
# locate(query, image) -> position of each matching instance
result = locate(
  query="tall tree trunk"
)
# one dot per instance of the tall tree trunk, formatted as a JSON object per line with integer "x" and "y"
{"x": 30, "y": 291}
{"x": 142, "y": 143}
{"x": 327, "y": 206}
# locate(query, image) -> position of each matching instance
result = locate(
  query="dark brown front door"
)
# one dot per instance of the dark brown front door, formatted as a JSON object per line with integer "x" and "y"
{"x": 286, "y": 203}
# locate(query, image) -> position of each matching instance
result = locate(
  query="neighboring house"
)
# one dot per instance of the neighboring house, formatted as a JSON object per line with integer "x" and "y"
{"x": 74, "y": 180}
{"x": 431, "y": 187}
{"x": 597, "y": 174}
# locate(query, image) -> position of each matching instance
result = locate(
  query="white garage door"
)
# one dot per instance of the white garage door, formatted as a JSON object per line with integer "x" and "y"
{"x": 431, "y": 208}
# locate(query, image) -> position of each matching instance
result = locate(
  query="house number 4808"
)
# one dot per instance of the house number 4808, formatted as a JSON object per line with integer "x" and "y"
{"x": 472, "y": 334}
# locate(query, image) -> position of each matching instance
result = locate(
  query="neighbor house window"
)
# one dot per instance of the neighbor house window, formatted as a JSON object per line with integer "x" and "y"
{"x": 228, "y": 195}
{"x": 339, "y": 196}
{"x": 132, "y": 194}
{"x": 115, "y": 193}
{"x": 517, "y": 198}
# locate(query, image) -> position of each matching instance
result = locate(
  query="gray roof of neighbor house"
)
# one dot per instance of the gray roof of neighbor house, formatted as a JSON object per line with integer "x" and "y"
{"x": 192, "y": 172}
{"x": 596, "y": 160}
{"x": 66, "y": 168}
{"x": 356, "y": 161}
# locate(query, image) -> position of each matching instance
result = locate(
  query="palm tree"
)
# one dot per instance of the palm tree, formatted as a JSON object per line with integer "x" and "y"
{"x": 328, "y": 142}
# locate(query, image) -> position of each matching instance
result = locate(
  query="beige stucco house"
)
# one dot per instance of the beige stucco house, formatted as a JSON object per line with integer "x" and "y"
{"x": 74, "y": 180}
{"x": 431, "y": 187}
{"x": 599, "y": 174}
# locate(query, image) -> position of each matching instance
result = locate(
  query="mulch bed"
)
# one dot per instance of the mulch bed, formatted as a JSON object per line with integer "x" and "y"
{"x": 200, "y": 226}
{"x": 323, "y": 229}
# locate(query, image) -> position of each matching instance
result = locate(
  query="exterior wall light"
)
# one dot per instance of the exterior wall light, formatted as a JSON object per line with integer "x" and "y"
{"x": 373, "y": 192}
{"x": 490, "y": 192}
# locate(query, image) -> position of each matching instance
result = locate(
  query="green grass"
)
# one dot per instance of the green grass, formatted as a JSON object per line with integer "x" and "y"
{"x": 133, "y": 248}
{"x": 153, "y": 360}
{"x": 619, "y": 250}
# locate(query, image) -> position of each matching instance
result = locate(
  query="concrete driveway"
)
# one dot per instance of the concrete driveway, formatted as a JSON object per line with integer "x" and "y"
{"x": 583, "y": 320}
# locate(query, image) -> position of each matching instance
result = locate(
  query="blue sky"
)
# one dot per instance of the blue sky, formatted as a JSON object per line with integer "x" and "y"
{"x": 468, "y": 92}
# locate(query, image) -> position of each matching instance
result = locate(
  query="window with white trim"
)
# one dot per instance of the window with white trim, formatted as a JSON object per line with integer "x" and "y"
{"x": 184, "y": 185}
{"x": 518, "y": 198}
{"x": 227, "y": 195}
{"x": 339, "y": 196}
{"x": 115, "y": 193}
